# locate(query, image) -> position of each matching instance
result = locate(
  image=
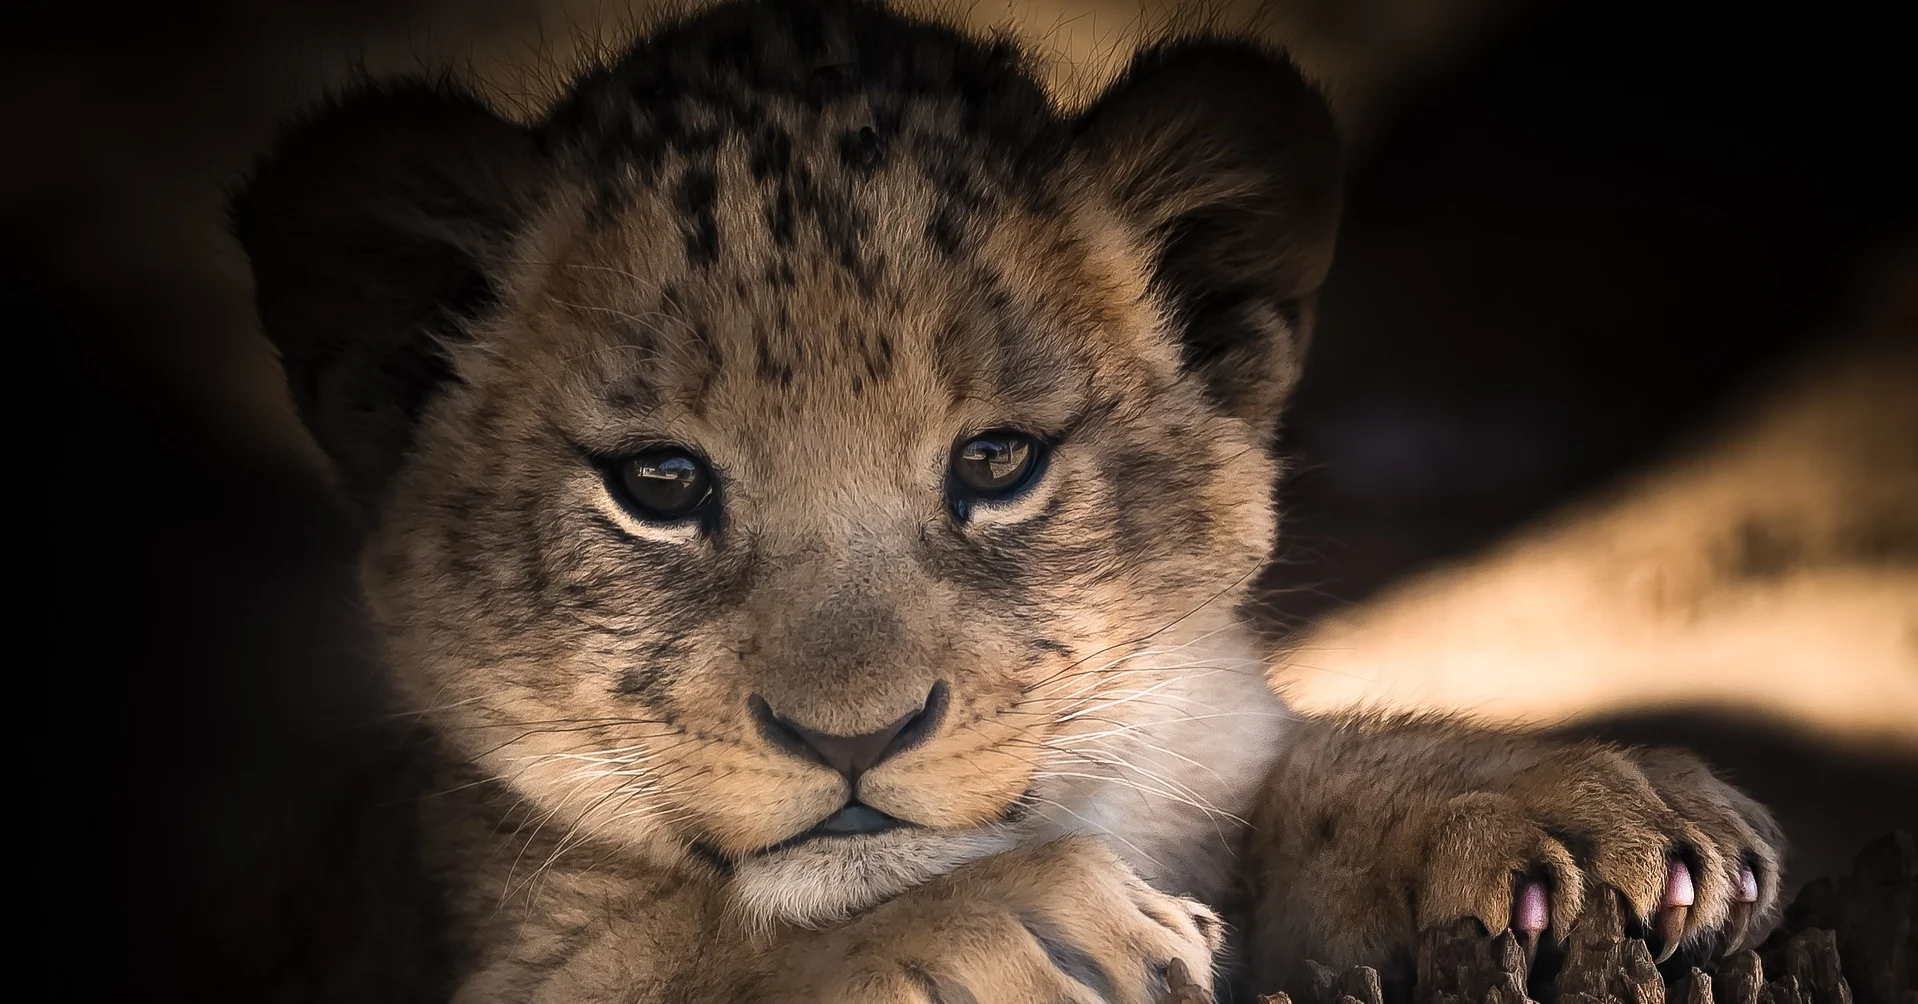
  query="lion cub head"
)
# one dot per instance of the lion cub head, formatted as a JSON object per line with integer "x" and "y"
{"x": 808, "y": 451}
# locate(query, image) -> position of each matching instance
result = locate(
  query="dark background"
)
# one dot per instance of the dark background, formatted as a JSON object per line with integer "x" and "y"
{"x": 1561, "y": 258}
{"x": 1559, "y": 264}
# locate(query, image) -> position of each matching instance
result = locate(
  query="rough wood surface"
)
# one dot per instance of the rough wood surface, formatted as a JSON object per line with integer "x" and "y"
{"x": 1182, "y": 989}
{"x": 1863, "y": 926}
{"x": 1458, "y": 965}
{"x": 1850, "y": 941}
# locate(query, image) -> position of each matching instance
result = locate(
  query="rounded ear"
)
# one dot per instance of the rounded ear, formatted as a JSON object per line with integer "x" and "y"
{"x": 1227, "y": 159}
{"x": 372, "y": 227}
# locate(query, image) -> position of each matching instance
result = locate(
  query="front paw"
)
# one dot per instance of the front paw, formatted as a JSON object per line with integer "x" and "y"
{"x": 1696, "y": 860}
{"x": 1066, "y": 921}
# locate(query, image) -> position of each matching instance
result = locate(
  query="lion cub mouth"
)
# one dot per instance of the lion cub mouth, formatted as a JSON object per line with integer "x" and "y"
{"x": 852, "y": 859}
{"x": 854, "y": 819}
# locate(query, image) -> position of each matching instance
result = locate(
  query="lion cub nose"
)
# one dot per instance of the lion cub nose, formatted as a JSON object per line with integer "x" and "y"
{"x": 851, "y": 755}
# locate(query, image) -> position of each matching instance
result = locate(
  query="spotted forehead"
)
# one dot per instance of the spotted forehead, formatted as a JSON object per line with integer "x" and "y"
{"x": 735, "y": 281}
{"x": 776, "y": 220}
{"x": 955, "y": 344}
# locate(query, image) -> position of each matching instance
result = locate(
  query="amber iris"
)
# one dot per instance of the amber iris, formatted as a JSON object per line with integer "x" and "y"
{"x": 994, "y": 465}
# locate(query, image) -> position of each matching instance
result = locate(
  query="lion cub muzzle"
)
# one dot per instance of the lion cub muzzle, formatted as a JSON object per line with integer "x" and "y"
{"x": 851, "y": 756}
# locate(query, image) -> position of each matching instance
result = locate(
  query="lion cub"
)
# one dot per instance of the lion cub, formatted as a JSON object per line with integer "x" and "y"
{"x": 809, "y": 482}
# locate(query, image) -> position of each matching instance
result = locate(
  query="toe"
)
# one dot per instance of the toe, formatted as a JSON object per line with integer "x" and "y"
{"x": 1489, "y": 861}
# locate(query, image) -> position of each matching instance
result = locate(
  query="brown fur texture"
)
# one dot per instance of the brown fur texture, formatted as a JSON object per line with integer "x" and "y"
{"x": 817, "y": 247}
{"x": 1375, "y": 829}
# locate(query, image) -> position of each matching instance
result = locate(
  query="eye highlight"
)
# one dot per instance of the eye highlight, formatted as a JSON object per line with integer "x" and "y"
{"x": 665, "y": 484}
{"x": 994, "y": 465}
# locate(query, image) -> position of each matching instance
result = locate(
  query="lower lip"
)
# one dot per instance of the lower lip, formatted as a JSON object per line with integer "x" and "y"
{"x": 856, "y": 820}
{"x": 851, "y": 821}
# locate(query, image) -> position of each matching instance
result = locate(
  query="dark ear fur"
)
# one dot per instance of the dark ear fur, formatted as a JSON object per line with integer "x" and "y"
{"x": 1228, "y": 158}
{"x": 371, "y": 227}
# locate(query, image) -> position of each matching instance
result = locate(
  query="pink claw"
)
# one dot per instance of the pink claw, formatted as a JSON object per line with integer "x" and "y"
{"x": 1674, "y": 908}
{"x": 1678, "y": 886}
{"x": 1744, "y": 900}
{"x": 1532, "y": 913}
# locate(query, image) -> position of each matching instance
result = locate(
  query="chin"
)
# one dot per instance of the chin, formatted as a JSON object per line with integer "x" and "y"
{"x": 824, "y": 880}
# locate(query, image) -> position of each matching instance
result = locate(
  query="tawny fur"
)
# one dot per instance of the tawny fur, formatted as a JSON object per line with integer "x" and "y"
{"x": 1373, "y": 829}
{"x": 820, "y": 245}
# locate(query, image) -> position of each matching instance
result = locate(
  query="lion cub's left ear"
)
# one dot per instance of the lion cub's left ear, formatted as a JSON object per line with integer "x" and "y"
{"x": 1227, "y": 159}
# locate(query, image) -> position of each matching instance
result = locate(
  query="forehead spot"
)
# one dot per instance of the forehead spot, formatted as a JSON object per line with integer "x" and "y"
{"x": 862, "y": 150}
{"x": 695, "y": 198}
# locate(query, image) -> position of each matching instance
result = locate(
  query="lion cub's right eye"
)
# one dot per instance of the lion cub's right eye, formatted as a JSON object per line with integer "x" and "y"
{"x": 665, "y": 484}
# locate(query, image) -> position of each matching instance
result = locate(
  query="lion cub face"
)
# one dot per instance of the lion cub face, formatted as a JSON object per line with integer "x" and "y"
{"x": 806, "y": 449}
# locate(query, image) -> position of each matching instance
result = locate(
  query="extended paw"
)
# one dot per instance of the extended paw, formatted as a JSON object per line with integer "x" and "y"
{"x": 1067, "y": 921}
{"x": 1696, "y": 860}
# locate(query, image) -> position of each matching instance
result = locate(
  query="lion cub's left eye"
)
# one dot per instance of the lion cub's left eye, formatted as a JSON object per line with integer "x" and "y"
{"x": 995, "y": 465}
{"x": 665, "y": 484}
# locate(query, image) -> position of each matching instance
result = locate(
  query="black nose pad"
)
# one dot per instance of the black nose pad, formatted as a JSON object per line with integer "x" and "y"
{"x": 851, "y": 755}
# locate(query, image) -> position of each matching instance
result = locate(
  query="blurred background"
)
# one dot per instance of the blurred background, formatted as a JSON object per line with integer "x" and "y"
{"x": 1610, "y": 425}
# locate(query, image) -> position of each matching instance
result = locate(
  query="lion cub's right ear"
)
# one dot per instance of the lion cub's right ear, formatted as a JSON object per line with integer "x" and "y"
{"x": 1224, "y": 156}
{"x": 372, "y": 227}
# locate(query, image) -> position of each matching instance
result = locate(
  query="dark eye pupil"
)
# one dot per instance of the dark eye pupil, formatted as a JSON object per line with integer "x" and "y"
{"x": 665, "y": 484}
{"x": 995, "y": 464}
